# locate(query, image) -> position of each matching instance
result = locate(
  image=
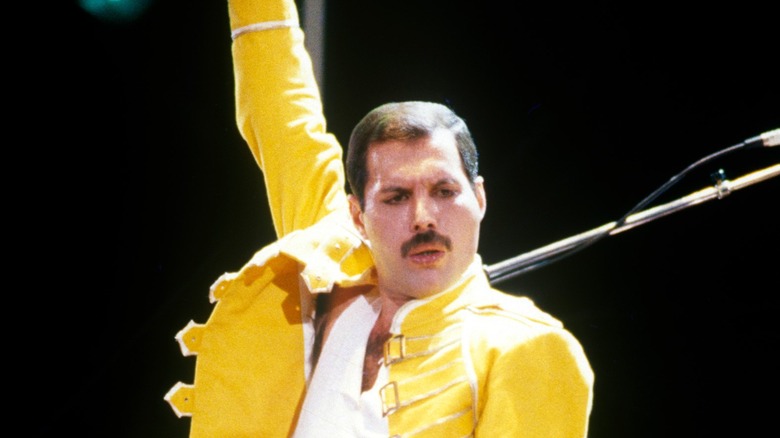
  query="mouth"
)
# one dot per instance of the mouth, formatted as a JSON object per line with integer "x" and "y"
{"x": 426, "y": 248}
{"x": 426, "y": 256}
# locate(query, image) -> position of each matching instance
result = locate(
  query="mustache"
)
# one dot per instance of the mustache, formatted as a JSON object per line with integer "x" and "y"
{"x": 429, "y": 236}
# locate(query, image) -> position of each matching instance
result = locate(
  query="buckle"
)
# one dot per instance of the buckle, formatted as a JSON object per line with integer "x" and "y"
{"x": 389, "y": 408}
{"x": 395, "y": 349}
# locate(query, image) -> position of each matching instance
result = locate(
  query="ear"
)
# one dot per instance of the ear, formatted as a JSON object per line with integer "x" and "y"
{"x": 357, "y": 215}
{"x": 479, "y": 191}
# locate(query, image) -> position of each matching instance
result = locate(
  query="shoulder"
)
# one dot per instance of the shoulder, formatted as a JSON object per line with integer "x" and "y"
{"x": 504, "y": 308}
{"x": 500, "y": 322}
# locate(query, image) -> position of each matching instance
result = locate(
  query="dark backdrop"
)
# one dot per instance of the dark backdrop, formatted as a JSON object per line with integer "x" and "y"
{"x": 133, "y": 192}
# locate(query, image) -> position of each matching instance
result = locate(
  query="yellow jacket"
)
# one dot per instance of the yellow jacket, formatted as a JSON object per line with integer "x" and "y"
{"x": 467, "y": 361}
{"x": 474, "y": 361}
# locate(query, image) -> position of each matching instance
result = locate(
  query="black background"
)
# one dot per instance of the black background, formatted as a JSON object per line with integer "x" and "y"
{"x": 133, "y": 191}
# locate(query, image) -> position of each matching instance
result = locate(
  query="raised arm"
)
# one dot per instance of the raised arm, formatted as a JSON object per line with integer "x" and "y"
{"x": 279, "y": 114}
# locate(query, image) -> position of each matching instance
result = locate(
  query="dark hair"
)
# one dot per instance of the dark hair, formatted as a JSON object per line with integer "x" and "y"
{"x": 405, "y": 121}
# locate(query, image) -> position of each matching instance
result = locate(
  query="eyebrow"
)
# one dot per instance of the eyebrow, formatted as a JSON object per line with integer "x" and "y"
{"x": 393, "y": 189}
{"x": 400, "y": 189}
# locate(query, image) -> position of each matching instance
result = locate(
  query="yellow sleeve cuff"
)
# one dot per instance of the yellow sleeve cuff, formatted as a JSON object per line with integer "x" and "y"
{"x": 249, "y": 15}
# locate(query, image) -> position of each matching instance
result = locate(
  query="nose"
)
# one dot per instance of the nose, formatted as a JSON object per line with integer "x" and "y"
{"x": 424, "y": 217}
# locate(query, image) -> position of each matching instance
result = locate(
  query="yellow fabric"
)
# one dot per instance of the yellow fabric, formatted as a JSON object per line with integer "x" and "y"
{"x": 250, "y": 371}
{"x": 468, "y": 359}
{"x": 478, "y": 360}
{"x": 250, "y": 367}
{"x": 279, "y": 113}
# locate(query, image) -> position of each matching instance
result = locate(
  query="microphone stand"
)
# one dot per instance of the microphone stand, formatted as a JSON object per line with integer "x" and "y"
{"x": 525, "y": 262}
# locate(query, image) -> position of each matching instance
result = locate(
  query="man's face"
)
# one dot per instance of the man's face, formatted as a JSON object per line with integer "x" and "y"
{"x": 421, "y": 215}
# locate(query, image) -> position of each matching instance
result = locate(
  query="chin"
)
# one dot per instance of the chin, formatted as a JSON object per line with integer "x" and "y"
{"x": 424, "y": 286}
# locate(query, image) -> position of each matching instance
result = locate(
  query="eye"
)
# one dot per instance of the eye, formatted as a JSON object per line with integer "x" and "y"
{"x": 396, "y": 199}
{"x": 446, "y": 193}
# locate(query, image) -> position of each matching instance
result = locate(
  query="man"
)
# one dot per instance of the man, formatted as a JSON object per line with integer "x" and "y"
{"x": 371, "y": 315}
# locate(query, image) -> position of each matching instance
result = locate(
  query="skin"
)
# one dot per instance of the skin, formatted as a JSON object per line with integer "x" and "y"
{"x": 415, "y": 187}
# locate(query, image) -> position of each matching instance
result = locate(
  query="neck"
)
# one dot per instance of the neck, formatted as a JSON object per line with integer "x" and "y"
{"x": 380, "y": 333}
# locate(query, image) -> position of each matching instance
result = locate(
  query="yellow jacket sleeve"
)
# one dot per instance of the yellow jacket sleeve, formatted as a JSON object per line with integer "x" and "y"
{"x": 279, "y": 114}
{"x": 252, "y": 353}
{"x": 540, "y": 388}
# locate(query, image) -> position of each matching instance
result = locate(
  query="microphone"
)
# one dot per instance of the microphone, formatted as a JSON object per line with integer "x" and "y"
{"x": 767, "y": 139}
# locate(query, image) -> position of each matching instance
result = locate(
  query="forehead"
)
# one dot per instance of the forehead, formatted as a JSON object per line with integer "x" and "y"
{"x": 432, "y": 155}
